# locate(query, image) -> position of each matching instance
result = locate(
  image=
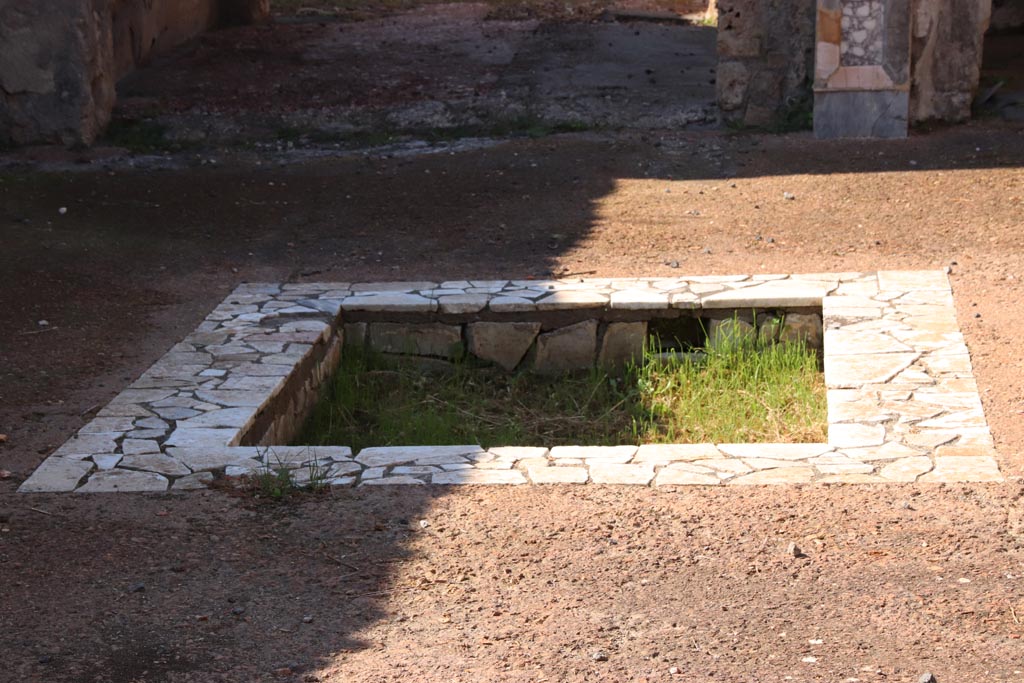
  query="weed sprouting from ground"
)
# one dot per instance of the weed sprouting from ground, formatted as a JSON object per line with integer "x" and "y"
{"x": 736, "y": 391}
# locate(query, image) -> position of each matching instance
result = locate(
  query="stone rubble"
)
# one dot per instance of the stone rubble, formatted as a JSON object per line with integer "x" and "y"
{"x": 902, "y": 402}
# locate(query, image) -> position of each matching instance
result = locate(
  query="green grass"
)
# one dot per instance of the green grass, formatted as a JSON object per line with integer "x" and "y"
{"x": 739, "y": 392}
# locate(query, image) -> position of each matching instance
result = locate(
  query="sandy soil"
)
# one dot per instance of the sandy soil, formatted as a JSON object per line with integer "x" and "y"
{"x": 525, "y": 584}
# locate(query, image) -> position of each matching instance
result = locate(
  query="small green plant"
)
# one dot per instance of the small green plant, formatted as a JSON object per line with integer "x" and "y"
{"x": 739, "y": 389}
{"x": 275, "y": 481}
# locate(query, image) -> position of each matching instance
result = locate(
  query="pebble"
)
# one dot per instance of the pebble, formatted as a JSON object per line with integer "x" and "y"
{"x": 788, "y": 196}
{"x": 308, "y": 619}
{"x": 137, "y": 587}
{"x": 62, "y": 210}
{"x": 599, "y": 656}
{"x": 927, "y": 677}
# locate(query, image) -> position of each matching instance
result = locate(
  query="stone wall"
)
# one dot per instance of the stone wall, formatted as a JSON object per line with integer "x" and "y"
{"x": 1007, "y": 15}
{"x": 55, "y": 70}
{"x": 765, "y": 52}
{"x": 946, "y": 51}
{"x": 60, "y": 59}
{"x": 602, "y": 338}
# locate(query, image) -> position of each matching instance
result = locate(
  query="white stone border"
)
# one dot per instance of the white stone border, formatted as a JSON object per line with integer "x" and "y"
{"x": 902, "y": 401}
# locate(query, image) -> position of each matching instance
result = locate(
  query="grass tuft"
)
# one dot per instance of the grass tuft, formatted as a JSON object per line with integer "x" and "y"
{"x": 739, "y": 391}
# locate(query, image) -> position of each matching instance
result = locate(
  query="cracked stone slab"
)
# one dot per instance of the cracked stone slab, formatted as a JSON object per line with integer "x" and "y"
{"x": 386, "y": 456}
{"x": 124, "y": 481}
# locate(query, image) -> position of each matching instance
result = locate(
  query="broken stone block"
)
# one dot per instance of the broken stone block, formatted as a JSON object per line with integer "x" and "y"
{"x": 354, "y": 334}
{"x": 504, "y": 344}
{"x": 567, "y": 348}
{"x": 729, "y": 331}
{"x": 622, "y": 344}
{"x": 804, "y": 327}
{"x": 420, "y": 339}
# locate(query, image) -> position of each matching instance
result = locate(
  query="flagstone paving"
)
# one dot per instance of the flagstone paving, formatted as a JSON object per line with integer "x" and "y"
{"x": 903, "y": 405}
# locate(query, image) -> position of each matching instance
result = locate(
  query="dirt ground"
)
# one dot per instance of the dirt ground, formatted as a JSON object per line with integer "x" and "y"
{"x": 500, "y": 584}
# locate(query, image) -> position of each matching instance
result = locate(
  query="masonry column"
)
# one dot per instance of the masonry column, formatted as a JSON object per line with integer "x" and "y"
{"x": 862, "y": 69}
{"x": 56, "y": 70}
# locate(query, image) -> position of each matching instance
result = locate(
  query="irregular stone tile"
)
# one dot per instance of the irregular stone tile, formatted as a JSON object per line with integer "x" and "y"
{"x": 948, "y": 364}
{"x": 851, "y": 467}
{"x": 505, "y": 344}
{"x": 453, "y": 466}
{"x": 607, "y": 454}
{"x": 143, "y": 395}
{"x": 400, "y": 480}
{"x": 855, "y": 435}
{"x": 952, "y": 469}
{"x": 670, "y": 476}
{"x": 344, "y": 468}
{"x": 477, "y": 476}
{"x": 948, "y": 399}
{"x": 854, "y": 371}
{"x": 394, "y": 302}
{"x": 415, "y": 469}
{"x": 906, "y": 469}
{"x": 273, "y": 365}
{"x": 567, "y": 348}
{"x": 106, "y": 461}
{"x": 373, "y": 472}
{"x": 781, "y": 475}
{"x": 865, "y": 412}
{"x": 123, "y": 410}
{"x": 517, "y": 452}
{"x": 562, "y": 300}
{"x": 638, "y": 299}
{"x": 767, "y": 463}
{"x": 622, "y": 343}
{"x": 56, "y": 475}
{"x": 886, "y": 451}
{"x": 155, "y": 462}
{"x": 233, "y": 398}
{"x": 770, "y": 295}
{"x": 386, "y": 456}
{"x": 139, "y": 446}
{"x": 511, "y": 304}
{"x": 962, "y": 450}
{"x": 913, "y": 280}
{"x": 776, "y": 451}
{"x": 929, "y": 439}
{"x": 216, "y": 458}
{"x": 236, "y": 418}
{"x": 544, "y": 474}
{"x": 685, "y": 301}
{"x": 151, "y": 423}
{"x": 842, "y": 343}
{"x": 496, "y": 464}
{"x": 192, "y": 482}
{"x": 101, "y": 425}
{"x": 341, "y": 481}
{"x": 143, "y": 435}
{"x": 613, "y": 473}
{"x": 174, "y": 413}
{"x": 463, "y": 303}
{"x": 411, "y": 286}
{"x": 84, "y": 445}
{"x": 664, "y": 453}
{"x": 187, "y": 437}
{"x": 124, "y": 481}
{"x": 956, "y": 420}
{"x": 268, "y": 385}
